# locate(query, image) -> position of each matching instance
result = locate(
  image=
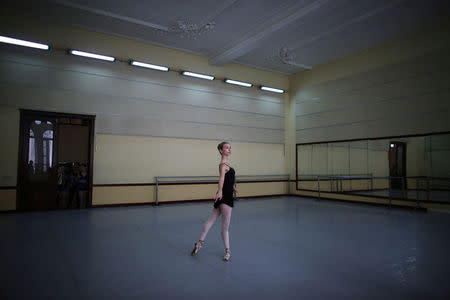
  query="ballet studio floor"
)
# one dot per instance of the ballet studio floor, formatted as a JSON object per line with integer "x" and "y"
{"x": 282, "y": 248}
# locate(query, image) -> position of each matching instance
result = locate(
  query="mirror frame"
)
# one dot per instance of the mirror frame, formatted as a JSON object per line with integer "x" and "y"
{"x": 354, "y": 140}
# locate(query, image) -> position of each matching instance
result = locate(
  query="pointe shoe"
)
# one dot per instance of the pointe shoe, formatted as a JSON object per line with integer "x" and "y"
{"x": 227, "y": 254}
{"x": 197, "y": 247}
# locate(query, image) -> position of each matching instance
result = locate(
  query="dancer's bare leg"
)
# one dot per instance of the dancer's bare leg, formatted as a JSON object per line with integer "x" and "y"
{"x": 226, "y": 217}
{"x": 211, "y": 220}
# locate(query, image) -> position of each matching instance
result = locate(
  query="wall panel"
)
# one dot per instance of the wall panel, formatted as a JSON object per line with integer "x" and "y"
{"x": 8, "y": 199}
{"x": 138, "y": 159}
{"x": 377, "y": 94}
{"x": 9, "y": 135}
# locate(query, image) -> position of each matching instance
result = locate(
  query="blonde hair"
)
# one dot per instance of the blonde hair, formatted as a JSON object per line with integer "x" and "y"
{"x": 220, "y": 146}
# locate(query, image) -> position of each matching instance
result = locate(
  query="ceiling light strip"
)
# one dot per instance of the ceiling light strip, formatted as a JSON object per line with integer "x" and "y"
{"x": 197, "y": 75}
{"x": 91, "y": 55}
{"x": 148, "y": 66}
{"x": 273, "y": 90}
{"x": 240, "y": 83}
{"x": 8, "y": 40}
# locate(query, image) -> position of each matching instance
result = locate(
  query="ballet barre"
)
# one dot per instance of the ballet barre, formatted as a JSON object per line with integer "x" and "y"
{"x": 422, "y": 183}
{"x": 162, "y": 180}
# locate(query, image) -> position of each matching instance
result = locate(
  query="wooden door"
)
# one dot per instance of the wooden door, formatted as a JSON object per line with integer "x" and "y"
{"x": 37, "y": 160}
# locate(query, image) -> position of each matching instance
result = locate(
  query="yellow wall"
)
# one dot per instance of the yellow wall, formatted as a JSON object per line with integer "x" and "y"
{"x": 161, "y": 124}
{"x": 262, "y": 189}
{"x": 106, "y": 195}
{"x": 135, "y": 101}
{"x": 290, "y": 140}
{"x": 148, "y": 123}
{"x": 390, "y": 90}
{"x": 9, "y": 151}
{"x": 137, "y": 159}
{"x": 7, "y": 200}
{"x": 398, "y": 88}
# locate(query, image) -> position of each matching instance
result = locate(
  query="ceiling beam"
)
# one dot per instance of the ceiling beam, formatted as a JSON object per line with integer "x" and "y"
{"x": 360, "y": 18}
{"x": 110, "y": 14}
{"x": 223, "y": 5}
{"x": 250, "y": 41}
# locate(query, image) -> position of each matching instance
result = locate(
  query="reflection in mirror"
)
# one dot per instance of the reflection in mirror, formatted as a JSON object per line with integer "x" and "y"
{"x": 304, "y": 166}
{"x": 414, "y": 168}
{"x": 340, "y": 161}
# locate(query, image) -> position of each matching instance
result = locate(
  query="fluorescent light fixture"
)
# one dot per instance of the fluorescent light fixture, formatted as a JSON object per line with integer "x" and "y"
{"x": 148, "y": 66}
{"x": 273, "y": 90}
{"x": 91, "y": 55}
{"x": 13, "y": 41}
{"x": 230, "y": 81}
{"x": 196, "y": 75}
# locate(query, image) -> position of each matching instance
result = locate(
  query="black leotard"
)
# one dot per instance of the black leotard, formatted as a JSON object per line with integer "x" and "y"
{"x": 227, "y": 189}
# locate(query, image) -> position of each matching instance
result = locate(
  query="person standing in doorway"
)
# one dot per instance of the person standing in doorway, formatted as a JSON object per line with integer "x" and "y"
{"x": 82, "y": 185}
{"x": 223, "y": 201}
{"x": 61, "y": 189}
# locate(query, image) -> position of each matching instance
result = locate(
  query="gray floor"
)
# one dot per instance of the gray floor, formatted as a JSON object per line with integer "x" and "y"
{"x": 282, "y": 248}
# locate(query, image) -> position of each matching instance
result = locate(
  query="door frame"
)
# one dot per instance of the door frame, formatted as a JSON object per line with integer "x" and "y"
{"x": 21, "y": 170}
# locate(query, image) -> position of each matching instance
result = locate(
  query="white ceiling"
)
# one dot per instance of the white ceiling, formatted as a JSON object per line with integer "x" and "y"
{"x": 284, "y": 36}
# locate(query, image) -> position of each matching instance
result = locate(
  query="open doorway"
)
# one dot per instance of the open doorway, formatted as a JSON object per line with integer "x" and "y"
{"x": 397, "y": 165}
{"x": 55, "y": 160}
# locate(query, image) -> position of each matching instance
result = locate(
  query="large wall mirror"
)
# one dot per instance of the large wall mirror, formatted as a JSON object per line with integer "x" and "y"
{"x": 416, "y": 168}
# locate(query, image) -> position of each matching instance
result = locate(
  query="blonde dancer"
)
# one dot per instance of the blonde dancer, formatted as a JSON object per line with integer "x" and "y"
{"x": 223, "y": 201}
